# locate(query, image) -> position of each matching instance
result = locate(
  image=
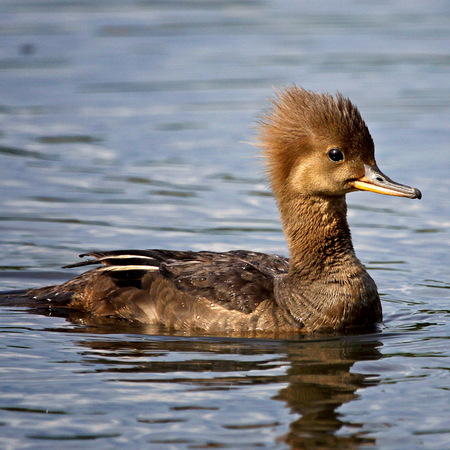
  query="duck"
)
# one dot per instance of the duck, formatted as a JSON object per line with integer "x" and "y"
{"x": 317, "y": 149}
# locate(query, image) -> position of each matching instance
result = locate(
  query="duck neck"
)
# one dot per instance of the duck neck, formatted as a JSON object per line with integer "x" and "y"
{"x": 326, "y": 285}
{"x": 317, "y": 234}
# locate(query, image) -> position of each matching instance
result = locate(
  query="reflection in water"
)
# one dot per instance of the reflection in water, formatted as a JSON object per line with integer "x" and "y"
{"x": 317, "y": 381}
{"x": 320, "y": 381}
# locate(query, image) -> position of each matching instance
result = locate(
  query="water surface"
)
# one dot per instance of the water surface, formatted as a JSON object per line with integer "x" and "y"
{"x": 125, "y": 125}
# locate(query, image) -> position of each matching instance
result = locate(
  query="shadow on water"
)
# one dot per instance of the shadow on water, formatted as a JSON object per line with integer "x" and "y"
{"x": 312, "y": 374}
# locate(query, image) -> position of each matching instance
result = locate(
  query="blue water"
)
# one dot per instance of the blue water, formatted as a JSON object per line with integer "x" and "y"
{"x": 126, "y": 125}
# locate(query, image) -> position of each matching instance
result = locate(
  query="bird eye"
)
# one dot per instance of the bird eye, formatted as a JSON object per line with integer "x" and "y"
{"x": 335, "y": 155}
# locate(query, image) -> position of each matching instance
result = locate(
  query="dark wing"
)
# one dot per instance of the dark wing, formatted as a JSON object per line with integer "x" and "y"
{"x": 236, "y": 280}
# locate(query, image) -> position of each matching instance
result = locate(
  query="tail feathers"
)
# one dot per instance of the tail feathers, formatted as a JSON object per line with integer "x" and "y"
{"x": 15, "y": 298}
{"x": 126, "y": 268}
{"x": 37, "y": 301}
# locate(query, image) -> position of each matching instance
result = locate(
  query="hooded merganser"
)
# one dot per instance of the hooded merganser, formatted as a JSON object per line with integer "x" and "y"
{"x": 317, "y": 149}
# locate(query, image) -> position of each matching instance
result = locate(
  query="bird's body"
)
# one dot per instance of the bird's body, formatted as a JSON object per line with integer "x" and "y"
{"x": 318, "y": 149}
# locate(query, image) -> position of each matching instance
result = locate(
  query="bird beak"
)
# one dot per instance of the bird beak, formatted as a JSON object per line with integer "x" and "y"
{"x": 375, "y": 181}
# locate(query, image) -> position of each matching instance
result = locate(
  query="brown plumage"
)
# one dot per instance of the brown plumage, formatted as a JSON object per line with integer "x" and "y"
{"x": 318, "y": 149}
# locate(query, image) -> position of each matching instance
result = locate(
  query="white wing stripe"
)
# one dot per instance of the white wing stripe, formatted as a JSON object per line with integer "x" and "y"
{"x": 131, "y": 256}
{"x": 125, "y": 268}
